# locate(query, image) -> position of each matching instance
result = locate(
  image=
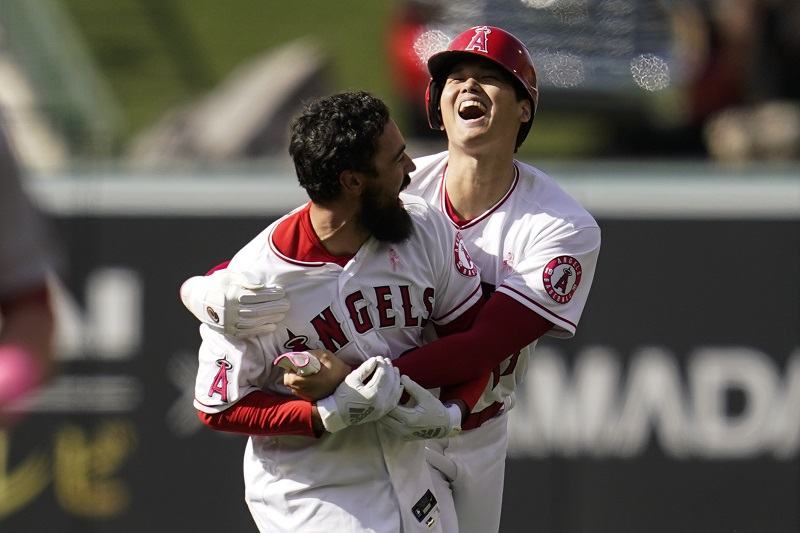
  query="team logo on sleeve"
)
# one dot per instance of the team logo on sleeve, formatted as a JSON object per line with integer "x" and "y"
{"x": 464, "y": 262}
{"x": 220, "y": 383}
{"x": 561, "y": 277}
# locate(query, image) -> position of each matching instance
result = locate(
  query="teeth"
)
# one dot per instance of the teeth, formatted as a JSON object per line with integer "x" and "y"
{"x": 471, "y": 103}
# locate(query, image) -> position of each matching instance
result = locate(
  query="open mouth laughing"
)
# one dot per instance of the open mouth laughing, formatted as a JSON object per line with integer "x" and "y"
{"x": 471, "y": 110}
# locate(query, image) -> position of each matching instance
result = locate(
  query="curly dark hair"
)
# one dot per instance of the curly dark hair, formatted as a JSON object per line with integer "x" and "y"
{"x": 333, "y": 134}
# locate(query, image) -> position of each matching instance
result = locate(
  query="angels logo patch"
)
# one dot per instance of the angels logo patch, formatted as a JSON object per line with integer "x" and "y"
{"x": 220, "y": 383}
{"x": 561, "y": 277}
{"x": 464, "y": 263}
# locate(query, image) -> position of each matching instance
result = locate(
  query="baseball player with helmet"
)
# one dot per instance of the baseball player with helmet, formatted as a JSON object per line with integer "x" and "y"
{"x": 535, "y": 246}
{"x": 365, "y": 271}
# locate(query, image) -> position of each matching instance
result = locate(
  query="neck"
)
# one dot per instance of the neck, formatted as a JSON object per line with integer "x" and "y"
{"x": 337, "y": 227}
{"x": 475, "y": 184}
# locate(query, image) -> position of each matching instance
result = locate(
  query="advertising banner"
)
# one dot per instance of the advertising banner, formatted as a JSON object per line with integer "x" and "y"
{"x": 676, "y": 407}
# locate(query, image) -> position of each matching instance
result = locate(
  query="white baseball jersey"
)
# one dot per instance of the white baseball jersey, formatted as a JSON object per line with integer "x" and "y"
{"x": 536, "y": 245}
{"x": 378, "y": 303}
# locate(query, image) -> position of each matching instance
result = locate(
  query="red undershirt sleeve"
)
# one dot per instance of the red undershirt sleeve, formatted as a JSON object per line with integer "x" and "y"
{"x": 470, "y": 391}
{"x": 261, "y": 413}
{"x": 503, "y": 327}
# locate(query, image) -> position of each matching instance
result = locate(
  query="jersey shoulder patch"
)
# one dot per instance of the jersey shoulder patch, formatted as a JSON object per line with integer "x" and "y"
{"x": 219, "y": 384}
{"x": 561, "y": 277}
{"x": 463, "y": 261}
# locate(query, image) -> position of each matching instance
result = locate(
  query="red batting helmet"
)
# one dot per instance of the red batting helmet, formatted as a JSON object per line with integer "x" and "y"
{"x": 494, "y": 44}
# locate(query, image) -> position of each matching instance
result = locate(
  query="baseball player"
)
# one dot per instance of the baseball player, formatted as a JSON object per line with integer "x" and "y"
{"x": 535, "y": 247}
{"x": 365, "y": 272}
{"x": 26, "y": 319}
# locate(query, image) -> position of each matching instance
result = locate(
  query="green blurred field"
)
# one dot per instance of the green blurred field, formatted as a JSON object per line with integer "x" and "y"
{"x": 157, "y": 54}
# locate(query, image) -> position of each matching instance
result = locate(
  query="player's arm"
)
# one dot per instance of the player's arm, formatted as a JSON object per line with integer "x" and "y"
{"x": 228, "y": 302}
{"x": 523, "y": 308}
{"x": 461, "y": 361}
{"x": 422, "y": 415}
{"x": 333, "y": 370}
{"x": 229, "y": 392}
{"x": 262, "y": 413}
{"x": 502, "y": 327}
{"x": 463, "y": 394}
{"x": 229, "y": 395}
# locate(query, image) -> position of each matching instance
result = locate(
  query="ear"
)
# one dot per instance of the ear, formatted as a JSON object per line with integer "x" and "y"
{"x": 525, "y": 115}
{"x": 352, "y": 182}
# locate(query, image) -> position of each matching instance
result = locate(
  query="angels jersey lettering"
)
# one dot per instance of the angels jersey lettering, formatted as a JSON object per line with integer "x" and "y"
{"x": 367, "y": 307}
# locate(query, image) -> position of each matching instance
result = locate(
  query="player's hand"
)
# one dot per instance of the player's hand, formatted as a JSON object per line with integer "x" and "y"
{"x": 367, "y": 393}
{"x": 315, "y": 386}
{"x": 229, "y": 303}
{"x": 424, "y": 416}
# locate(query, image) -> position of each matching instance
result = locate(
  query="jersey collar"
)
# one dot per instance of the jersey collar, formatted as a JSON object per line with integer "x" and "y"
{"x": 459, "y": 223}
{"x": 294, "y": 240}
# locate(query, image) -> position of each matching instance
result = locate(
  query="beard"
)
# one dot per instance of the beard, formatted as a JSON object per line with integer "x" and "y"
{"x": 387, "y": 221}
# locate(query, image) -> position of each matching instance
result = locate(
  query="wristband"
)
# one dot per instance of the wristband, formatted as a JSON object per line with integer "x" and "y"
{"x": 454, "y": 411}
{"x": 329, "y": 414}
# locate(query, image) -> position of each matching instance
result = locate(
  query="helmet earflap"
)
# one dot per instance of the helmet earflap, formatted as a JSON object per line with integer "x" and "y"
{"x": 433, "y": 96}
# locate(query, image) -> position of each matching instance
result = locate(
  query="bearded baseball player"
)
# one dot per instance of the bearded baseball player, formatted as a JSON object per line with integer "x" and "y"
{"x": 365, "y": 271}
{"x": 535, "y": 247}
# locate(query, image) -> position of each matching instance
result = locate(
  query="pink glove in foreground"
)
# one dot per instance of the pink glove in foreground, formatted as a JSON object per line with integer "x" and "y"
{"x": 20, "y": 374}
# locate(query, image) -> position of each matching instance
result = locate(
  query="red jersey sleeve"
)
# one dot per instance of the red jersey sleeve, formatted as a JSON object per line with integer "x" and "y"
{"x": 261, "y": 413}
{"x": 503, "y": 326}
{"x": 470, "y": 390}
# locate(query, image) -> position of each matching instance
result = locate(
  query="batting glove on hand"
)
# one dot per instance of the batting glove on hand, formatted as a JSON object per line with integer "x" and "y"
{"x": 229, "y": 303}
{"x": 425, "y": 418}
{"x": 367, "y": 393}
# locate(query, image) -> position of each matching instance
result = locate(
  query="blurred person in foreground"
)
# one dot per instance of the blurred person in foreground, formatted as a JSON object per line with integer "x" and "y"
{"x": 534, "y": 246}
{"x": 26, "y": 318}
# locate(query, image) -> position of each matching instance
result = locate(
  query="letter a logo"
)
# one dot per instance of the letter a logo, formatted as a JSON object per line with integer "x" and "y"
{"x": 220, "y": 383}
{"x": 561, "y": 284}
{"x": 480, "y": 40}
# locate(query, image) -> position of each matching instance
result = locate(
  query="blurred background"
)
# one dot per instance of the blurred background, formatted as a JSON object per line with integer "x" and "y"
{"x": 152, "y": 135}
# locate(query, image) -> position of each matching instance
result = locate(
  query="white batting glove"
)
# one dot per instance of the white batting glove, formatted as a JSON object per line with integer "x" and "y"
{"x": 229, "y": 303}
{"x": 366, "y": 394}
{"x": 426, "y": 418}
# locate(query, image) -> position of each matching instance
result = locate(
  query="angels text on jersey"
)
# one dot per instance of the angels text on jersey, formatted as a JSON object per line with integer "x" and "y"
{"x": 387, "y": 312}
